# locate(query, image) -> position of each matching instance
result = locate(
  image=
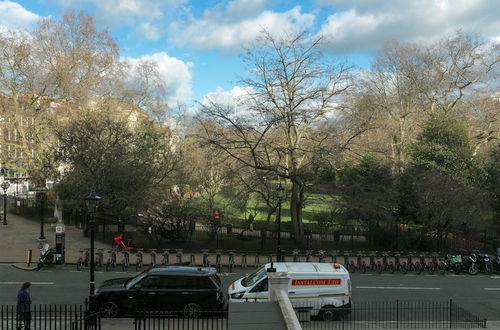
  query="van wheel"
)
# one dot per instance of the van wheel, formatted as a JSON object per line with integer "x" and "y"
{"x": 109, "y": 309}
{"x": 328, "y": 313}
{"x": 192, "y": 311}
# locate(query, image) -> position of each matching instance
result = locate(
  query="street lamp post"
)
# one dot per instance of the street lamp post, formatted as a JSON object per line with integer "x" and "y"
{"x": 5, "y": 185}
{"x": 41, "y": 191}
{"x": 91, "y": 201}
{"x": 280, "y": 192}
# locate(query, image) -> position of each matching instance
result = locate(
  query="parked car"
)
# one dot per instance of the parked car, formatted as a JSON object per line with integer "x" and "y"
{"x": 189, "y": 290}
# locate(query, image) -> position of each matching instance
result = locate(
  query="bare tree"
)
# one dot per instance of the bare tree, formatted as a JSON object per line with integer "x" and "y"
{"x": 291, "y": 88}
{"x": 43, "y": 74}
{"x": 410, "y": 82}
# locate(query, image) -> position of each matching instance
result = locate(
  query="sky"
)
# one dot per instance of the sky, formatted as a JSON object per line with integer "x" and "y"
{"x": 197, "y": 44}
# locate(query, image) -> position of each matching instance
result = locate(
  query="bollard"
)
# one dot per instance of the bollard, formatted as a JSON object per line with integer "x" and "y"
{"x": 28, "y": 257}
{"x": 296, "y": 255}
{"x": 243, "y": 261}
{"x": 192, "y": 260}
{"x": 179, "y": 256}
{"x": 206, "y": 262}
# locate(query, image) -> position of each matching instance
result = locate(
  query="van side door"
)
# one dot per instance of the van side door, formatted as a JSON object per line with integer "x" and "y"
{"x": 303, "y": 288}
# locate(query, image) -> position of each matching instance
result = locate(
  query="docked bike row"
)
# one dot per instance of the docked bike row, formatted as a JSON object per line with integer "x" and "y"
{"x": 470, "y": 262}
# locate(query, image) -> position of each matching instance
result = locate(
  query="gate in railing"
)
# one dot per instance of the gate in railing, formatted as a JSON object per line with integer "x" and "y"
{"x": 150, "y": 320}
{"x": 50, "y": 317}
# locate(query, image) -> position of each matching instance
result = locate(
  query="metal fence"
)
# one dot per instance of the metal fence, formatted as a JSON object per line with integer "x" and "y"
{"x": 390, "y": 315}
{"x": 176, "y": 321}
{"x": 49, "y": 317}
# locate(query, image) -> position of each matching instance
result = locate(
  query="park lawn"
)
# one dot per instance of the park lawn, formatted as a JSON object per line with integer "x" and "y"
{"x": 315, "y": 204}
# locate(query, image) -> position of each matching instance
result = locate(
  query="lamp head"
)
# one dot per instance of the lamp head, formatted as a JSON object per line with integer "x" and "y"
{"x": 91, "y": 201}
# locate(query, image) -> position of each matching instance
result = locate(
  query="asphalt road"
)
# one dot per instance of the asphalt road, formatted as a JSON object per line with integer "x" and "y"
{"x": 479, "y": 294}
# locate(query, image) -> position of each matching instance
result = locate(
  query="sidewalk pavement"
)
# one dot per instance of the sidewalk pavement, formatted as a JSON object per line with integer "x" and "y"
{"x": 22, "y": 234}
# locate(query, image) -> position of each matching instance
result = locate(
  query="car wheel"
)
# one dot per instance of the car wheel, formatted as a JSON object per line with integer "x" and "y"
{"x": 109, "y": 309}
{"x": 192, "y": 311}
{"x": 328, "y": 313}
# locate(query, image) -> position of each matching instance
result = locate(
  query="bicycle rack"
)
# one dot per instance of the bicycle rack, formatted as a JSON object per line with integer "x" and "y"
{"x": 231, "y": 260}
{"x": 206, "y": 262}
{"x": 334, "y": 256}
{"x": 218, "y": 259}
{"x": 165, "y": 260}
{"x": 309, "y": 256}
{"x": 243, "y": 260}
{"x": 179, "y": 256}
{"x": 152, "y": 255}
{"x": 257, "y": 260}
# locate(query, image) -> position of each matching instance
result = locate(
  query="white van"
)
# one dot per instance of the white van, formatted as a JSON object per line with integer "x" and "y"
{"x": 320, "y": 287}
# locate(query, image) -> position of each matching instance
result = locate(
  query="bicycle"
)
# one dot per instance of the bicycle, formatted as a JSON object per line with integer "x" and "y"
{"x": 372, "y": 265}
{"x": 399, "y": 265}
{"x": 349, "y": 264}
{"x": 139, "y": 262}
{"x": 99, "y": 257}
{"x": 125, "y": 260}
{"x": 83, "y": 260}
{"x": 111, "y": 262}
{"x": 387, "y": 265}
{"x": 321, "y": 256}
{"x": 360, "y": 263}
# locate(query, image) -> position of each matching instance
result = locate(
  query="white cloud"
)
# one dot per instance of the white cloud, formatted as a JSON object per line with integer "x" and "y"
{"x": 237, "y": 24}
{"x": 14, "y": 16}
{"x": 365, "y": 25}
{"x": 141, "y": 13}
{"x": 231, "y": 99}
{"x": 149, "y": 31}
{"x": 174, "y": 72}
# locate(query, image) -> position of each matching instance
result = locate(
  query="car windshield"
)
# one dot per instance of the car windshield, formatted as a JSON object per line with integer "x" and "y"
{"x": 131, "y": 282}
{"x": 255, "y": 277}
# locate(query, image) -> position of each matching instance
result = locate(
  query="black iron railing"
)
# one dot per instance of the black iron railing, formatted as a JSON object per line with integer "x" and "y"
{"x": 148, "y": 320}
{"x": 389, "y": 315}
{"x": 49, "y": 317}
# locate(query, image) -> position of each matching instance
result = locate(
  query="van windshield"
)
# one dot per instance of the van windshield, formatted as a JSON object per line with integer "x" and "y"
{"x": 255, "y": 277}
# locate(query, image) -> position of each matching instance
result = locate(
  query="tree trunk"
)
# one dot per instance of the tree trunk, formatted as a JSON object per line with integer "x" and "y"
{"x": 296, "y": 203}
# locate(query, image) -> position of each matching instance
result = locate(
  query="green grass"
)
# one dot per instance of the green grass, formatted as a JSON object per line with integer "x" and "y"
{"x": 314, "y": 205}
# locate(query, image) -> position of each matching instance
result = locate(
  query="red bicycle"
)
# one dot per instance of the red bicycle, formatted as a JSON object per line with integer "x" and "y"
{"x": 121, "y": 245}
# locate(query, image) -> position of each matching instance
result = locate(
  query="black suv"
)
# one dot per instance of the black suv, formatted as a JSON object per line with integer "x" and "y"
{"x": 189, "y": 290}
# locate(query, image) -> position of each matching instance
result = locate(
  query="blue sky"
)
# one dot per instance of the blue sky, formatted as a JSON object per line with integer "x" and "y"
{"x": 197, "y": 43}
